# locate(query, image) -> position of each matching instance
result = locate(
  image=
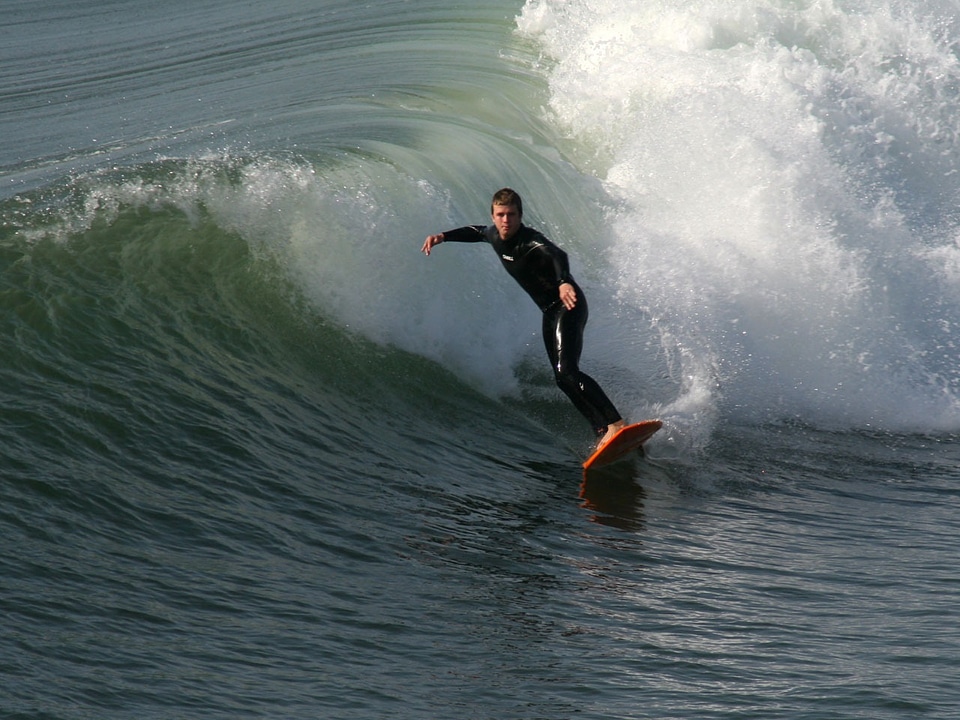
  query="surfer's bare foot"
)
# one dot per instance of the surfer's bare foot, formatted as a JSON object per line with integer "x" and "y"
{"x": 612, "y": 429}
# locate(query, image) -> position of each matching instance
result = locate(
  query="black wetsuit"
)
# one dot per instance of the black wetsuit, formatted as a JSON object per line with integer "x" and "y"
{"x": 540, "y": 267}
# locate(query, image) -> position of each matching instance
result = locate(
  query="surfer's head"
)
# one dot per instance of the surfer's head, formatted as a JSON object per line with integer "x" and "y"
{"x": 507, "y": 212}
{"x": 506, "y": 196}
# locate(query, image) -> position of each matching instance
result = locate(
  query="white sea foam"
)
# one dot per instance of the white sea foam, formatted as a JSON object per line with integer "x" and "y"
{"x": 784, "y": 182}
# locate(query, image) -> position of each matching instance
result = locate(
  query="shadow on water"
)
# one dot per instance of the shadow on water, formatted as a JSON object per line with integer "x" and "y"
{"x": 614, "y": 495}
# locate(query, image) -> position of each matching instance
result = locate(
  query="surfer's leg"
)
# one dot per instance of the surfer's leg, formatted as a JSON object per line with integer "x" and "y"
{"x": 563, "y": 339}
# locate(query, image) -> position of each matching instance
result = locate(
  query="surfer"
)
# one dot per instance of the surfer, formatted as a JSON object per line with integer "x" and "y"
{"x": 543, "y": 271}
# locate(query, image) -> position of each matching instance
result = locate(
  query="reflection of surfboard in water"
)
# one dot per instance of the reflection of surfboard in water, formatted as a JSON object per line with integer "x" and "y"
{"x": 626, "y": 440}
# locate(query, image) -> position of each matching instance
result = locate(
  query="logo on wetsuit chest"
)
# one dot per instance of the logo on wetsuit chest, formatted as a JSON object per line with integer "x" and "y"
{"x": 507, "y": 257}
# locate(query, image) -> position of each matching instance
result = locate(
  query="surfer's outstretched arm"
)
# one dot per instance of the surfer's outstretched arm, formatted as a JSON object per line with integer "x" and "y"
{"x": 465, "y": 234}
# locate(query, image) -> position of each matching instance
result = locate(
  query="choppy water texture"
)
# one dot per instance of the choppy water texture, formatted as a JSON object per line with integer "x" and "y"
{"x": 260, "y": 458}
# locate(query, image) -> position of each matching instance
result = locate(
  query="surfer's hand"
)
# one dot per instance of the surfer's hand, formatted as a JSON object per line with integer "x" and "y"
{"x": 568, "y": 296}
{"x": 430, "y": 242}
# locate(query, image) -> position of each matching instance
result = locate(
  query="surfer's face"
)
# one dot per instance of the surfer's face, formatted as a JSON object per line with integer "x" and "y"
{"x": 506, "y": 218}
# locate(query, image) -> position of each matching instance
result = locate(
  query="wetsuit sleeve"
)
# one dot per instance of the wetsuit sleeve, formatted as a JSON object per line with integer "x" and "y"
{"x": 468, "y": 233}
{"x": 561, "y": 264}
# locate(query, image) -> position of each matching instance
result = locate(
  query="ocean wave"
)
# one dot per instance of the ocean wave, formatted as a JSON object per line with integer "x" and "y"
{"x": 783, "y": 195}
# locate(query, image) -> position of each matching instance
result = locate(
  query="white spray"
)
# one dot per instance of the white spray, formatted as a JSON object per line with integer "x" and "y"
{"x": 784, "y": 183}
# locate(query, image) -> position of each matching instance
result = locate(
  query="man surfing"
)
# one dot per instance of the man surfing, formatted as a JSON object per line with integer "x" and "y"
{"x": 543, "y": 271}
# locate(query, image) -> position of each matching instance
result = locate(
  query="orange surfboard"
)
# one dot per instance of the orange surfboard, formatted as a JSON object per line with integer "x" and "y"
{"x": 625, "y": 441}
